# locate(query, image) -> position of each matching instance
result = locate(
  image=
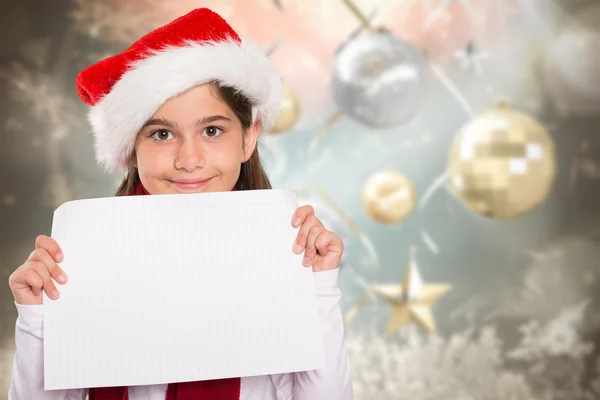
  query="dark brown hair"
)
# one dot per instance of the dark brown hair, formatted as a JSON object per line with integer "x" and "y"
{"x": 252, "y": 172}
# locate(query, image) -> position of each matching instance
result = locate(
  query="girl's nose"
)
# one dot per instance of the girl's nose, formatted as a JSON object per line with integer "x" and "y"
{"x": 190, "y": 156}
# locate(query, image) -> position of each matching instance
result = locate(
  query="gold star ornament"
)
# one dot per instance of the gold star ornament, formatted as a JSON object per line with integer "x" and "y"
{"x": 411, "y": 300}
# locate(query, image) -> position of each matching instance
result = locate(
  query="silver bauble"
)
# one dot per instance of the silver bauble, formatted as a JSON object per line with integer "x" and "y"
{"x": 378, "y": 80}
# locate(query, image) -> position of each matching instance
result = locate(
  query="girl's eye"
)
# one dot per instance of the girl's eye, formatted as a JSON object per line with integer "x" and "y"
{"x": 162, "y": 135}
{"x": 212, "y": 131}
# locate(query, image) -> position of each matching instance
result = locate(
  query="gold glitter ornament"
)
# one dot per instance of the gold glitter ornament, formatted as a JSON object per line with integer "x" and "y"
{"x": 502, "y": 163}
{"x": 388, "y": 196}
{"x": 289, "y": 113}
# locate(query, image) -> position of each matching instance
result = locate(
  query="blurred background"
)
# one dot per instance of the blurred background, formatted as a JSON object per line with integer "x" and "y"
{"x": 453, "y": 144}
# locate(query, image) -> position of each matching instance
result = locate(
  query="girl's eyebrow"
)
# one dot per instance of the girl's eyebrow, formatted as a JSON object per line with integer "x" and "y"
{"x": 170, "y": 124}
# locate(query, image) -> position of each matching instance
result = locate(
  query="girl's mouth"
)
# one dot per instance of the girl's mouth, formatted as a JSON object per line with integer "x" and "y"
{"x": 189, "y": 185}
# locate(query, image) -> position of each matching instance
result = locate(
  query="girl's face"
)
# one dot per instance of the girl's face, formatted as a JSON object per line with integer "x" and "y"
{"x": 193, "y": 143}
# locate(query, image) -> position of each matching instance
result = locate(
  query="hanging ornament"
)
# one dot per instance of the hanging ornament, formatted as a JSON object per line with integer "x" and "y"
{"x": 502, "y": 163}
{"x": 411, "y": 300}
{"x": 572, "y": 67}
{"x": 471, "y": 57}
{"x": 378, "y": 79}
{"x": 388, "y": 196}
{"x": 289, "y": 113}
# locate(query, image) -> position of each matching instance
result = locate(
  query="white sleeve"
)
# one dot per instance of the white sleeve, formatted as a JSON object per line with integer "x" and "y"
{"x": 28, "y": 364}
{"x": 333, "y": 381}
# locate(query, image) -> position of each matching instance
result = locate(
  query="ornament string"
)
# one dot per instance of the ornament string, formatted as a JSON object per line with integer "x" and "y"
{"x": 358, "y": 14}
{"x": 324, "y": 129}
{"x": 329, "y": 123}
{"x": 364, "y": 238}
{"x": 358, "y": 30}
{"x": 462, "y": 101}
{"x": 365, "y": 24}
{"x": 324, "y": 195}
{"x": 451, "y": 88}
{"x": 441, "y": 179}
{"x": 274, "y": 46}
{"x": 279, "y": 5}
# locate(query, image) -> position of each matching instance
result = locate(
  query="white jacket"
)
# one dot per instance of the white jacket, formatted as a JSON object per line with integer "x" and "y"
{"x": 329, "y": 383}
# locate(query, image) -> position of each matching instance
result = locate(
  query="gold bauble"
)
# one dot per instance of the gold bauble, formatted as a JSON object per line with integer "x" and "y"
{"x": 388, "y": 196}
{"x": 502, "y": 163}
{"x": 289, "y": 113}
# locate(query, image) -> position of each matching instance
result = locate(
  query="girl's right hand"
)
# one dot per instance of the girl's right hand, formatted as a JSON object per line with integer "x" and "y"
{"x": 28, "y": 281}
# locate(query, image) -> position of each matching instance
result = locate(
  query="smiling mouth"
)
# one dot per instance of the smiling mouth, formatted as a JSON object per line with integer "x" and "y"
{"x": 189, "y": 184}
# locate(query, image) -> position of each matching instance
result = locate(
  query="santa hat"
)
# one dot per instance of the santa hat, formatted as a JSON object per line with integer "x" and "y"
{"x": 125, "y": 90}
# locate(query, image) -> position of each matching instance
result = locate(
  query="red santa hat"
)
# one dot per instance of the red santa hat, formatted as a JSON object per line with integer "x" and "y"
{"x": 125, "y": 90}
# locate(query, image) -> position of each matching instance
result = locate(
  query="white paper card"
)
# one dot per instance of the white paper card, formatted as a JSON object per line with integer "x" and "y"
{"x": 173, "y": 288}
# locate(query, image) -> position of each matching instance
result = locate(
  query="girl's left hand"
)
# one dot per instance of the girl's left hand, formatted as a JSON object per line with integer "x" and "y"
{"x": 323, "y": 249}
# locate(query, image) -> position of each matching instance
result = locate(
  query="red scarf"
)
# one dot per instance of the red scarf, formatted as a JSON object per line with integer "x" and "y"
{"x": 221, "y": 389}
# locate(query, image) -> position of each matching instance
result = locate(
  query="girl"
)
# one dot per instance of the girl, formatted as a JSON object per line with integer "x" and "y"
{"x": 180, "y": 111}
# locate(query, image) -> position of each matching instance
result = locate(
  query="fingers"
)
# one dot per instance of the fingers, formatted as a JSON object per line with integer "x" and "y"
{"x": 41, "y": 255}
{"x": 310, "y": 253}
{"x": 30, "y": 277}
{"x": 302, "y": 237}
{"x": 35, "y": 275}
{"x": 329, "y": 251}
{"x": 38, "y": 273}
{"x": 50, "y": 245}
{"x": 43, "y": 273}
{"x": 316, "y": 241}
{"x": 328, "y": 242}
{"x": 301, "y": 214}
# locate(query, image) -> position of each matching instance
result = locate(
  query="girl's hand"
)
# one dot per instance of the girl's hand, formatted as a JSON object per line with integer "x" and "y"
{"x": 323, "y": 249}
{"x": 28, "y": 281}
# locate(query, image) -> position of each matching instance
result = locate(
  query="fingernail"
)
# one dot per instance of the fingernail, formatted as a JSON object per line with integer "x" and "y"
{"x": 59, "y": 257}
{"x": 55, "y": 294}
{"x": 306, "y": 261}
{"x": 297, "y": 248}
{"x": 296, "y": 222}
{"x": 61, "y": 278}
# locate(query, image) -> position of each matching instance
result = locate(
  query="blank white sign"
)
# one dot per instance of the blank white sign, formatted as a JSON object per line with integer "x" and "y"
{"x": 173, "y": 288}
